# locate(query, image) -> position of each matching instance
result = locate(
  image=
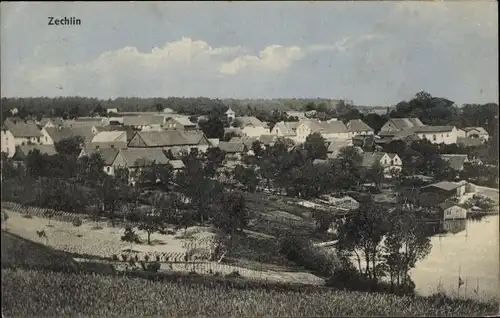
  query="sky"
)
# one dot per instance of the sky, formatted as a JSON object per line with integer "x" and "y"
{"x": 373, "y": 53}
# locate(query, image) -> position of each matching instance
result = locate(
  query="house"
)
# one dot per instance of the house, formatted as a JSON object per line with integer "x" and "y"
{"x": 110, "y": 136}
{"x": 365, "y": 142}
{"x": 112, "y": 111}
{"x": 91, "y": 147}
{"x": 330, "y": 130}
{"x": 285, "y": 129}
{"x": 358, "y": 127}
{"x": 451, "y": 211}
{"x": 144, "y": 122}
{"x": 86, "y": 122}
{"x": 169, "y": 139}
{"x": 476, "y": 132}
{"x": 469, "y": 142}
{"x": 236, "y": 131}
{"x": 461, "y": 133}
{"x": 8, "y": 143}
{"x": 399, "y": 124}
{"x": 230, "y": 114}
{"x": 50, "y": 122}
{"x": 447, "y": 189}
{"x": 234, "y": 150}
{"x": 438, "y": 134}
{"x": 335, "y": 146}
{"x": 268, "y": 140}
{"x": 455, "y": 161}
{"x": 252, "y": 127}
{"x": 131, "y": 159}
{"x": 20, "y": 133}
{"x": 214, "y": 141}
{"x": 390, "y": 162}
{"x": 23, "y": 151}
{"x": 179, "y": 123}
{"x": 299, "y": 115}
{"x": 56, "y": 134}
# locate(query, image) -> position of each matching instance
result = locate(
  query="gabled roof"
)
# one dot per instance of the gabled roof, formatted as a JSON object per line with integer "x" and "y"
{"x": 22, "y": 129}
{"x": 444, "y": 185}
{"x": 480, "y": 130}
{"x": 247, "y": 141}
{"x": 183, "y": 120}
{"x": 357, "y": 125}
{"x": 455, "y": 161}
{"x": 369, "y": 158}
{"x": 333, "y": 127}
{"x": 135, "y": 157}
{"x": 229, "y": 111}
{"x": 23, "y": 151}
{"x": 54, "y": 121}
{"x": 431, "y": 129}
{"x": 250, "y": 121}
{"x": 60, "y": 133}
{"x": 143, "y": 120}
{"x": 235, "y": 130}
{"x": 447, "y": 204}
{"x": 110, "y": 136}
{"x": 177, "y": 164}
{"x": 107, "y": 154}
{"x": 170, "y": 138}
{"x": 336, "y": 145}
{"x": 91, "y": 146}
{"x": 288, "y": 128}
{"x": 231, "y": 147}
{"x": 268, "y": 140}
{"x": 404, "y": 123}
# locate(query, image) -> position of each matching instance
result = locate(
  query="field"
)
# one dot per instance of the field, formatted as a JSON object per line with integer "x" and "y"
{"x": 30, "y": 288}
{"x": 254, "y": 253}
{"x": 28, "y": 293}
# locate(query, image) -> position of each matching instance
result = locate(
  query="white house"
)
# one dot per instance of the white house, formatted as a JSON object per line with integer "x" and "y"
{"x": 112, "y": 111}
{"x": 179, "y": 123}
{"x": 24, "y": 133}
{"x": 285, "y": 129}
{"x": 231, "y": 115}
{"x": 252, "y": 127}
{"x": 438, "y": 134}
{"x": 144, "y": 122}
{"x": 330, "y": 130}
{"x": 8, "y": 143}
{"x": 358, "y": 127}
{"x": 389, "y": 161}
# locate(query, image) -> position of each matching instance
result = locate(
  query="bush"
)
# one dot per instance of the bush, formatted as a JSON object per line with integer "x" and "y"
{"x": 301, "y": 251}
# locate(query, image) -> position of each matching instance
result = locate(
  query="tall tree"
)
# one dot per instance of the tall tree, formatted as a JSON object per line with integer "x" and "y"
{"x": 315, "y": 146}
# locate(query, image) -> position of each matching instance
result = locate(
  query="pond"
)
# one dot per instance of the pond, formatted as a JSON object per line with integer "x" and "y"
{"x": 470, "y": 250}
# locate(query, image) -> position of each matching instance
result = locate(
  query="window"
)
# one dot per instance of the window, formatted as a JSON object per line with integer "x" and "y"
{"x": 434, "y": 137}
{"x": 447, "y": 135}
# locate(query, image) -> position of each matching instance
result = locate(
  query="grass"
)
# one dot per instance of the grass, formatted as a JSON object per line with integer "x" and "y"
{"x": 27, "y": 293}
{"x": 39, "y": 281}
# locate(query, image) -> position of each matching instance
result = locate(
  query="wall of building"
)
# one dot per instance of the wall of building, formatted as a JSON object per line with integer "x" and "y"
{"x": 8, "y": 143}
{"x": 255, "y": 131}
{"x": 441, "y": 137}
{"x": 455, "y": 212}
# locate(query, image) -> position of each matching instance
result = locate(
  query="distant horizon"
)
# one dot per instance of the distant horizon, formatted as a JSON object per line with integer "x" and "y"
{"x": 373, "y": 53}
{"x": 240, "y": 99}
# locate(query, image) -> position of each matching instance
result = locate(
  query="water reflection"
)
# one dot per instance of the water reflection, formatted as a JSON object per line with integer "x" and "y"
{"x": 469, "y": 250}
{"x": 454, "y": 226}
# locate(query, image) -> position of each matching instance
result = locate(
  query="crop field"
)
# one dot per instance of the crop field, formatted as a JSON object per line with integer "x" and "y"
{"x": 27, "y": 293}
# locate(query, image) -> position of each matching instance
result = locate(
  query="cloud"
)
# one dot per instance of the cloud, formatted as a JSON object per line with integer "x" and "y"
{"x": 167, "y": 69}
